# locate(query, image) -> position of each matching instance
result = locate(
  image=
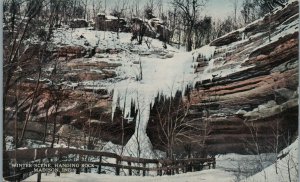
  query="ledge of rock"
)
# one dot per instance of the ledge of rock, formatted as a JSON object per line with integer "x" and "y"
{"x": 247, "y": 90}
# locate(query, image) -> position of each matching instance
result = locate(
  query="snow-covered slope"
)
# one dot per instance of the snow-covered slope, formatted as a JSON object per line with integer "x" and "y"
{"x": 249, "y": 82}
{"x": 287, "y": 164}
{"x": 135, "y": 74}
{"x": 145, "y": 71}
{"x": 213, "y": 175}
{"x": 285, "y": 169}
{"x": 104, "y": 40}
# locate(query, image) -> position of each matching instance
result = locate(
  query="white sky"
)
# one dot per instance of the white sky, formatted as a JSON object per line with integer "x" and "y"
{"x": 218, "y": 9}
{"x": 221, "y": 8}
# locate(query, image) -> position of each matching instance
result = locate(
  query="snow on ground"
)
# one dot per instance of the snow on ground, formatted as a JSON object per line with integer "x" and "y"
{"x": 207, "y": 51}
{"x": 281, "y": 31}
{"x": 153, "y": 74}
{"x": 243, "y": 166}
{"x": 244, "y": 163}
{"x": 212, "y": 175}
{"x": 212, "y": 70}
{"x": 9, "y": 141}
{"x": 226, "y": 171}
{"x": 287, "y": 167}
{"x": 145, "y": 72}
{"x": 247, "y": 168}
{"x": 104, "y": 40}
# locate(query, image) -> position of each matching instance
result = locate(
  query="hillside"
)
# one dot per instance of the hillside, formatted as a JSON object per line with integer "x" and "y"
{"x": 234, "y": 100}
{"x": 241, "y": 78}
{"x": 247, "y": 89}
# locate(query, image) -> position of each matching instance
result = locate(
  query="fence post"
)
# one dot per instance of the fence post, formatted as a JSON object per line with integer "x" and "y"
{"x": 193, "y": 166}
{"x": 78, "y": 169}
{"x": 201, "y": 166}
{"x": 39, "y": 176}
{"x": 190, "y": 167}
{"x": 214, "y": 163}
{"x": 57, "y": 139}
{"x": 186, "y": 167}
{"x": 6, "y": 160}
{"x": 163, "y": 170}
{"x": 172, "y": 167}
{"x": 169, "y": 170}
{"x": 117, "y": 167}
{"x": 59, "y": 168}
{"x": 86, "y": 159}
{"x": 129, "y": 170}
{"x": 144, "y": 170}
{"x": 99, "y": 167}
{"x": 158, "y": 171}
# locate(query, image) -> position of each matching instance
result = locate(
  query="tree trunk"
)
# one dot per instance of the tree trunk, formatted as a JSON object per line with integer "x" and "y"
{"x": 54, "y": 127}
{"x": 189, "y": 42}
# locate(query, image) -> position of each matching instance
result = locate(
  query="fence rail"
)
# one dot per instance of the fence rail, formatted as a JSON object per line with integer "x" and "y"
{"x": 63, "y": 155}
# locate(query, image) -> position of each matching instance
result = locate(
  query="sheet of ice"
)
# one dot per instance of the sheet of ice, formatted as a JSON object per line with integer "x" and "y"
{"x": 209, "y": 75}
{"x": 206, "y": 51}
{"x": 159, "y": 76}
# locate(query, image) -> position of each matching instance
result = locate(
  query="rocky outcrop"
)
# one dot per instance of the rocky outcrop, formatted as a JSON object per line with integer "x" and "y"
{"x": 110, "y": 23}
{"x": 227, "y": 39}
{"x": 273, "y": 20}
{"x": 78, "y": 23}
{"x": 68, "y": 52}
{"x": 247, "y": 92}
{"x": 83, "y": 104}
{"x": 259, "y": 99}
{"x": 85, "y": 110}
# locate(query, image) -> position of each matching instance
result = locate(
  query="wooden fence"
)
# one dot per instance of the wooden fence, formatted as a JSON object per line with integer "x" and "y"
{"x": 94, "y": 158}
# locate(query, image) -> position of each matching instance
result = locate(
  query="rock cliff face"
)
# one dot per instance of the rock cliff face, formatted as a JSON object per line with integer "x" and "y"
{"x": 79, "y": 85}
{"x": 76, "y": 85}
{"x": 247, "y": 91}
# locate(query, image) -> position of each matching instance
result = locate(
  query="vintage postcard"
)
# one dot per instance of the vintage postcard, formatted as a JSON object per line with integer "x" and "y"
{"x": 150, "y": 90}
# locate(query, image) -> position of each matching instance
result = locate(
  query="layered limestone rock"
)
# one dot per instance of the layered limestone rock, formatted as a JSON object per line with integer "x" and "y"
{"x": 247, "y": 92}
{"x": 82, "y": 99}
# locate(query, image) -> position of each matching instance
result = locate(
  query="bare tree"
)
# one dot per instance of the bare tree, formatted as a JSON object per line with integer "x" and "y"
{"x": 190, "y": 10}
{"x": 174, "y": 128}
{"x": 254, "y": 130}
{"x": 85, "y": 4}
{"x": 23, "y": 57}
{"x": 149, "y": 9}
{"x": 203, "y": 32}
{"x": 235, "y": 6}
{"x": 119, "y": 11}
{"x": 96, "y": 7}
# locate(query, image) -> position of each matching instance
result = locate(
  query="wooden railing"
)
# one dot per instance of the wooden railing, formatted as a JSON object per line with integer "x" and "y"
{"x": 95, "y": 159}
